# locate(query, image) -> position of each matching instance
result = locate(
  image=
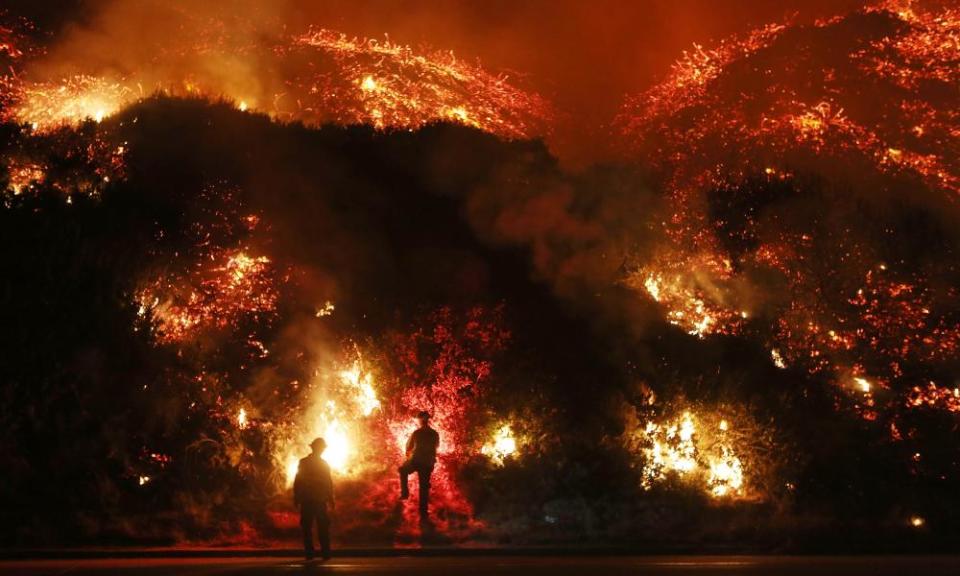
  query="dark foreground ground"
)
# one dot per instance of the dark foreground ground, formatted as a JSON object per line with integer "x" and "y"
{"x": 549, "y": 565}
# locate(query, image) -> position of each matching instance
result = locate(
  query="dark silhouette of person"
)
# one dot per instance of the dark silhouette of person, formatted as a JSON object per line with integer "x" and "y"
{"x": 313, "y": 493}
{"x": 421, "y": 457}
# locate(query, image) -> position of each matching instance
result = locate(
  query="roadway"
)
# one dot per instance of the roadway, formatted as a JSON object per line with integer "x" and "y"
{"x": 492, "y": 564}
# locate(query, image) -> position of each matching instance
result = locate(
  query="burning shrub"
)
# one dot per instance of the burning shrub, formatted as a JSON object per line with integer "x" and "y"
{"x": 724, "y": 451}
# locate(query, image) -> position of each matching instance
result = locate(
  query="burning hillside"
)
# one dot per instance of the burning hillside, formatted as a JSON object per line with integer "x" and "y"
{"x": 812, "y": 177}
{"x": 318, "y": 77}
{"x": 223, "y": 246}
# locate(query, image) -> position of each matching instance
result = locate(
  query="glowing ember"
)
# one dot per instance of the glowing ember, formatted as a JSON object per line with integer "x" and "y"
{"x": 23, "y": 176}
{"x": 933, "y": 396}
{"x": 241, "y": 285}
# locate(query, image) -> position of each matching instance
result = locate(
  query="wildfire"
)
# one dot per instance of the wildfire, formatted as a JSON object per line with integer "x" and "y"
{"x": 340, "y": 450}
{"x": 933, "y": 396}
{"x": 777, "y": 358}
{"x": 325, "y": 310}
{"x": 210, "y": 297}
{"x": 327, "y": 77}
{"x": 10, "y": 40}
{"x": 683, "y": 448}
{"x": 671, "y": 449}
{"x": 362, "y": 384}
{"x": 48, "y": 105}
{"x": 691, "y": 290}
{"x": 501, "y": 446}
{"x": 726, "y": 474}
{"x": 24, "y": 175}
{"x": 339, "y": 412}
{"x": 391, "y": 85}
{"x": 730, "y": 144}
{"x": 242, "y": 422}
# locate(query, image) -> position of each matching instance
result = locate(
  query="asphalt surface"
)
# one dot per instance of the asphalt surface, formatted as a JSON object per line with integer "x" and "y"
{"x": 533, "y": 565}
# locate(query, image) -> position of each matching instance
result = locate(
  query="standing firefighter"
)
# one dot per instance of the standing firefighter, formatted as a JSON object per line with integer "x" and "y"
{"x": 421, "y": 457}
{"x": 313, "y": 493}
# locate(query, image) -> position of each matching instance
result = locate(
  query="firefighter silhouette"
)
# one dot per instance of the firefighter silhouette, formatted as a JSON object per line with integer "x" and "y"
{"x": 313, "y": 493}
{"x": 421, "y": 457}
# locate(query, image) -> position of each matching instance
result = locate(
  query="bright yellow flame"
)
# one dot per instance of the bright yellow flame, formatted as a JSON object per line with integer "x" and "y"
{"x": 325, "y": 310}
{"x": 502, "y": 445}
{"x": 293, "y": 463}
{"x": 339, "y": 448}
{"x": 337, "y": 416}
{"x": 242, "y": 419}
{"x": 777, "y": 359}
{"x": 368, "y": 84}
{"x": 652, "y": 284}
{"x": 671, "y": 450}
{"x": 691, "y": 292}
{"x": 47, "y": 105}
{"x": 726, "y": 474}
{"x": 862, "y": 383}
{"x": 675, "y": 447}
{"x": 242, "y": 106}
{"x": 361, "y": 383}
{"x": 240, "y": 265}
{"x": 917, "y": 521}
{"x": 460, "y": 114}
{"x": 143, "y": 480}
